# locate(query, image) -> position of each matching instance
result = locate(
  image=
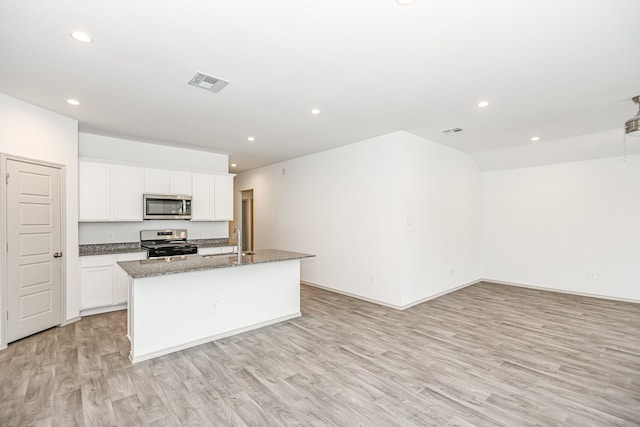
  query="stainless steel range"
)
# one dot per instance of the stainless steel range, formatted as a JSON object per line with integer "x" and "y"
{"x": 166, "y": 243}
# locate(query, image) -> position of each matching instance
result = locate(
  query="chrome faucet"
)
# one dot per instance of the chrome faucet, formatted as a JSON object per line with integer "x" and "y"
{"x": 238, "y": 234}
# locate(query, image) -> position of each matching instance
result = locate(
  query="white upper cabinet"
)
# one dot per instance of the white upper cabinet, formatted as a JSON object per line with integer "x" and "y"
{"x": 127, "y": 193}
{"x": 157, "y": 181}
{"x": 162, "y": 181}
{"x": 109, "y": 192}
{"x": 94, "y": 180}
{"x": 180, "y": 183}
{"x": 223, "y": 201}
{"x": 113, "y": 192}
{"x": 212, "y": 197}
{"x": 202, "y": 197}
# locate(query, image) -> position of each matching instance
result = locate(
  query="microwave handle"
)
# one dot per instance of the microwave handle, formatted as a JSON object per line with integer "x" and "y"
{"x": 184, "y": 206}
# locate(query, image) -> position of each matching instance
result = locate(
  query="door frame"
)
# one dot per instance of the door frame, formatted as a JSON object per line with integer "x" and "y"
{"x": 4, "y": 288}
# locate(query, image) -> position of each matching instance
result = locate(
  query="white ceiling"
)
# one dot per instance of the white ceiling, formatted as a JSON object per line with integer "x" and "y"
{"x": 553, "y": 68}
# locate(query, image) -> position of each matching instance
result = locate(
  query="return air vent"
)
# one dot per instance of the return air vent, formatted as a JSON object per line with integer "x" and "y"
{"x": 210, "y": 83}
{"x": 452, "y": 131}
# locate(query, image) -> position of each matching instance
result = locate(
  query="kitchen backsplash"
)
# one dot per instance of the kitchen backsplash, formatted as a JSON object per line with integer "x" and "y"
{"x": 116, "y": 232}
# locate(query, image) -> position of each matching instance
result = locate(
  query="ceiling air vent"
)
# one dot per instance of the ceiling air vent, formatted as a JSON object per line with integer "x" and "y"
{"x": 452, "y": 131}
{"x": 205, "y": 81}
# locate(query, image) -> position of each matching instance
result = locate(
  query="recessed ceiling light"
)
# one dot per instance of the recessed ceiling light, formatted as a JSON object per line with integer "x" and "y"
{"x": 483, "y": 104}
{"x": 81, "y": 37}
{"x": 233, "y": 165}
{"x": 73, "y": 102}
{"x": 251, "y": 139}
{"x": 315, "y": 111}
{"x": 405, "y": 2}
{"x": 535, "y": 138}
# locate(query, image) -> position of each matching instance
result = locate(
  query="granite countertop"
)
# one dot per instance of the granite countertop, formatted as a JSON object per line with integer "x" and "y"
{"x": 109, "y": 248}
{"x": 130, "y": 247}
{"x": 182, "y": 264}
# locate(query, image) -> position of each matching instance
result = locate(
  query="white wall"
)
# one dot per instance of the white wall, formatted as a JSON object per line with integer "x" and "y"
{"x": 441, "y": 193}
{"x": 30, "y": 131}
{"x": 142, "y": 153}
{"x": 117, "y": 150}
{"x": 351, "y": 207}
{"x": 550, "y": 226}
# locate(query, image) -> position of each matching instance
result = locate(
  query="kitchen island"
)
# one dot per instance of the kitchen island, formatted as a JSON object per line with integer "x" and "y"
{"x": 182, "y": 302}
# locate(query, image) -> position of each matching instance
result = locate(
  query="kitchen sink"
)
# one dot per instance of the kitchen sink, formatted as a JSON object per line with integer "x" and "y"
{"x": 163, "y": 259}
{"x": 228, "y": 254}
{"x": 218, "y": 255}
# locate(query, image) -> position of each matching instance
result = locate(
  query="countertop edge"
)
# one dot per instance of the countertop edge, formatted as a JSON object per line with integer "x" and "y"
{"x": 147, "y": 268}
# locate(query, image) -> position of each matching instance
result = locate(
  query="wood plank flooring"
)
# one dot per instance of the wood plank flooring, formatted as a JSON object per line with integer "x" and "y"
{"x": 486, "y": 355}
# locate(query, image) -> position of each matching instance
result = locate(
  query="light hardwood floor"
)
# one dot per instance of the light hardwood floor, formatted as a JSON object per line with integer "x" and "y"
{"x": 486, "y": 355}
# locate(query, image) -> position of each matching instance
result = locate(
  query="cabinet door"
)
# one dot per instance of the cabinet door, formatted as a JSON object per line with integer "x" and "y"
{"x": 122, "y": 278}
{"x": 180, "y": 183}
{"x": 127, "y": 193}
{"x": 97, "y": 281}
{"x": 157, "y": 181}
{"x": 202, "y": 198}
{"x": 223, "y": 201}
{"x": 94, "y": 182}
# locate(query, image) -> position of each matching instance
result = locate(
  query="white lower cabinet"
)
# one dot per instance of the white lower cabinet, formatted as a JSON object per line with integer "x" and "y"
{"x": 121, "y": 291}
{"x": 103, "y": 282}
{"x": 96, "y": 273}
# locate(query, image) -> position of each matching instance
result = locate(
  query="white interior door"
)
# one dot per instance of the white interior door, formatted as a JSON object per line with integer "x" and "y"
{"x": 34, "y": 263}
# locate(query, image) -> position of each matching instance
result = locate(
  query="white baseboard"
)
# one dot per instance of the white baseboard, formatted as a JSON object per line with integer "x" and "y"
{"x": 561, "y": 291}
{"x": 101, "y": 310}
{"x": 360, "y": 297}
{"x": 70, "y": 321}
{"x": 438, "y": 295}
{"x": 386, "y": 304}
{"x": 457, "y": 288}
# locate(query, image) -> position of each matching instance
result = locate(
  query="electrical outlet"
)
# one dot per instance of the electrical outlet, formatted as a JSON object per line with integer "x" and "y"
{"x": 452, "y": 271}
{"x": 591, "y": 275}
{"x": 216, "y": 306}
{"x": 372, "y": 279}
{"x": 110, "y": 237}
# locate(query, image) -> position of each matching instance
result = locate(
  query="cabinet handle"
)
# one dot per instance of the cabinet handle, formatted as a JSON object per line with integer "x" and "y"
{"x": 57, "y": 254}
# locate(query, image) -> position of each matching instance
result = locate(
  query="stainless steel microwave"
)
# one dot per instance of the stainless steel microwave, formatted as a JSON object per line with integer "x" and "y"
{"x": 167, "y": 206}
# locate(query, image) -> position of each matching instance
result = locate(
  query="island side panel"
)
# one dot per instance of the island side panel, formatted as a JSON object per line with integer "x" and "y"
{"x": 176, "y": 311}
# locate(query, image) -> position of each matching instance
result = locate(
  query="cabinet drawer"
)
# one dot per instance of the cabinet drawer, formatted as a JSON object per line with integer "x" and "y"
{"x": 96, "y": 261}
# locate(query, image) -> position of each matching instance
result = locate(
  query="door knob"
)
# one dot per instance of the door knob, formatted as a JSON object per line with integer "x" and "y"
{"x": 57, "y": 254}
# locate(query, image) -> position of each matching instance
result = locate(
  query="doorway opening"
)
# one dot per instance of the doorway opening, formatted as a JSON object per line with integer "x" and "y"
{"x": 247, "y": 220}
